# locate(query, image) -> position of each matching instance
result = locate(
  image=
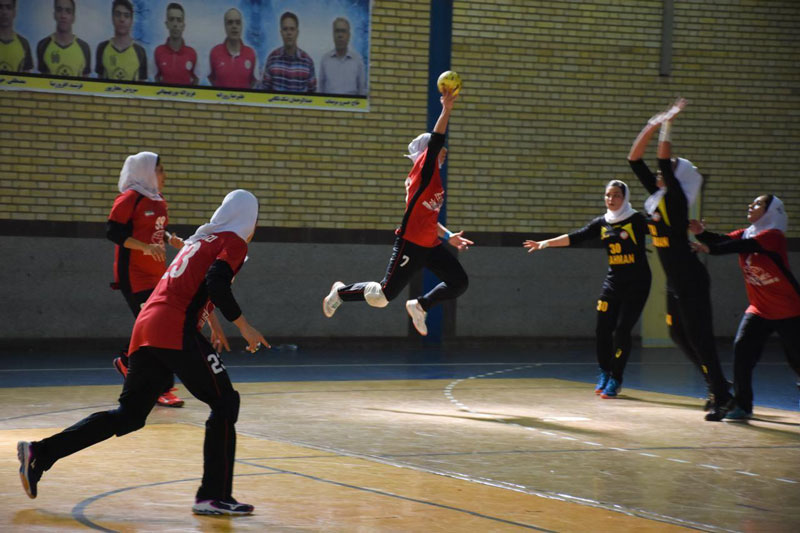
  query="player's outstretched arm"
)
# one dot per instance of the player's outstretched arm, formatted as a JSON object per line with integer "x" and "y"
{"x": 556, "y": 242}
{"x": 456, "y": 240}
{"x": 447, "y": 99}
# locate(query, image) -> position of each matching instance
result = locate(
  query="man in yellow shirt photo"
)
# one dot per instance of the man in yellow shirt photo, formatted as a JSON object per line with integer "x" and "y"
{"x": 120, "y": 58}
{"x": 62, "y": 53}
{"x": 15, "y": 52}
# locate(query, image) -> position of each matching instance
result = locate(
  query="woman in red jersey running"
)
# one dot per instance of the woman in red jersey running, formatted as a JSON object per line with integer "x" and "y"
{"x": 166, "y": 340}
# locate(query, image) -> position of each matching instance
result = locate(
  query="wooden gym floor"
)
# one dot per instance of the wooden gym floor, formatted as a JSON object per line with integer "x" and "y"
{"x": 416, "y": 440}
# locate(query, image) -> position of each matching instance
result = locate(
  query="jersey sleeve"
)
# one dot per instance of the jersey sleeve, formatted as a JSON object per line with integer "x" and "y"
{"x": 142, "y": 55}
{"x": 588, "y": 232}
{"x": 87, "y": 57}
{"x": 218, "y": 282}
{"x": 122, "y": 210}
{"x": 40, "y": 48}
{"x": 98, "y": 61}
{"x": 771, "y": 240}
{"x": 233, "y": 253}
{"x": 709, "y": 237}
{"x": 27, "y": 62}
{"x": 431, "y": 157}
{"x": 736, "y": 234}
{"x": 731, "y": 246}
{"x": 645, "y": 175}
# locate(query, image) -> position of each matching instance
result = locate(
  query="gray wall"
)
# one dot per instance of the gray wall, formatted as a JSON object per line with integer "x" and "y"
{"x": 58, "y": 288}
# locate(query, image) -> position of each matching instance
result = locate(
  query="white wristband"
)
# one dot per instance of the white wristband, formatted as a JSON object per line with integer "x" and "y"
{"x": 543, "y": 245}
{"x": 665, "y": 136}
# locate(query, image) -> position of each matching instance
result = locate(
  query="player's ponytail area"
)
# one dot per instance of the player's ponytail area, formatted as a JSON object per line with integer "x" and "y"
{"x": 370, "y": 441}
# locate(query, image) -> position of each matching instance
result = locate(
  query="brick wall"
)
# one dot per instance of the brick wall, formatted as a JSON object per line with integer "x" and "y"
{"x": 554, "y": 94}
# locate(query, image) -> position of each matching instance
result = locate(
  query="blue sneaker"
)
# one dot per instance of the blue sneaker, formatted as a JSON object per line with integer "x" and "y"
{"x": 602, "y": 381}
{"x": 737, "y": 414}
{"x": 612, "y": 389}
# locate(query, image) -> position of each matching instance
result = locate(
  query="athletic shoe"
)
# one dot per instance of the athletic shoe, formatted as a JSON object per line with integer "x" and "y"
{"x": 417, "y": 314}
{"x": 332, "y": 301}
{"x": 709, "y": 402}
{"x": 119, "y": 364}
{"x": 29, "y": 474}
{"x": 737, "y": 414}
{"x": 170, "y": 400}
{"x": 718, "y": 411}
{"x": 221, "y": 507}
{"x": 602, "y": 381}
{"x": 612, "y": 389}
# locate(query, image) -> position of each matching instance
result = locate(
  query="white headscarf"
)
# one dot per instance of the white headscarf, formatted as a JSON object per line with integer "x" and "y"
{"x": 690, "y": 179}
{"x": 626, "y": 210}
{"x": 418, "y": 145}
{"x": 238, "y": 213}
{"x": 773, "y": 218}
{"x": 139, "y": 173}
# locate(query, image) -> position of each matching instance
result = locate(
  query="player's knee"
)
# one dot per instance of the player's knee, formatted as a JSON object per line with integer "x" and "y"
{"x": 127, "y": 420}
{"x": 226, "y": 409}
{"x": 375, "y": 296}
{"x": 460, "y": 285}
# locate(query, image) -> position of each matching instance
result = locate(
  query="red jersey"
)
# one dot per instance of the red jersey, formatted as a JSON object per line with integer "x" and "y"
{"x": 180, "y": 302}
{"x": 234, "y": 72}
{"x": 424, "y": 198}
{"x": 146, "y": 220}
{"x": 175, "y": 67}
{"x": 769, "y": 291}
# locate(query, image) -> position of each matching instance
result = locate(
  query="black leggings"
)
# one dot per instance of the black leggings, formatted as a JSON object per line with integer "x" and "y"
{"x": 201, "y": 370}
{"x": 616, "y": 316}
{"x": 691, "y": 328}
{"x": 407, "y": 259}
{"x": 135, "y": 301}
{"x": 751, "y": 336}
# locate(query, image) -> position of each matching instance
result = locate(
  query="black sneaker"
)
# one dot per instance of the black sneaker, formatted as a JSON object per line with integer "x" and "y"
{"x": 221, "y": 507}
{"x": 719, "y": 410}
{"x": 709, "y": 402}
{"x": 28, "y": 473}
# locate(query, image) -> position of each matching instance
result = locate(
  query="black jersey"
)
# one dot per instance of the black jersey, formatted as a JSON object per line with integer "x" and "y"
{"x": 669, "y": 228}
{"x": 625, "y": 243}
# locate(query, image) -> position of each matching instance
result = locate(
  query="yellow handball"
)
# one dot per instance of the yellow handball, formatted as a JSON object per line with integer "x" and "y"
{"x": 449, "y": 80}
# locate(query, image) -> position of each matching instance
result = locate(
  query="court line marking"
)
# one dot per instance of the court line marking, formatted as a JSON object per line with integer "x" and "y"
{"x": 541, "y": 493}
{"x": 79, "y": 510}
{"x": 375, "y": 365}
{"x": 462, "y": 407}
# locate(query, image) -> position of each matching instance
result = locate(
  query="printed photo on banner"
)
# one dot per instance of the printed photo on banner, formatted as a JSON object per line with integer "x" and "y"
{"x": 316, "y": 48}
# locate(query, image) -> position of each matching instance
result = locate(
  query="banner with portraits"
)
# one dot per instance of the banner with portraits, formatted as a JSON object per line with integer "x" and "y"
{"x": 285, "y": 53}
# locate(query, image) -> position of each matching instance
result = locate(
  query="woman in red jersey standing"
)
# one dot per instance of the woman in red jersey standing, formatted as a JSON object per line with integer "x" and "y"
{"x": 772, "y": 290}
{"x": 419, "y": 237}
{"x": 166, "y": 340}
{"x": 137, "y": 225}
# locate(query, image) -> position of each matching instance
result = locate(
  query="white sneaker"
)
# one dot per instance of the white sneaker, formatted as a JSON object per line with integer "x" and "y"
{"x": 418, "y": 315}
{"x": 332, "y": 301}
